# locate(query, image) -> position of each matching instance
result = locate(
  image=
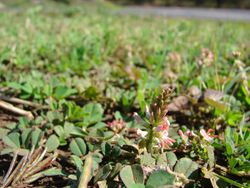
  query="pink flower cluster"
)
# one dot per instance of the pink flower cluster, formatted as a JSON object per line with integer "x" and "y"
{"x": 186, "y": 136}
{"x": 161, "y": 135}
{"x": 116, "y": 125}
{"x": 162, "y": 138}
{"x": 206, "y": 135}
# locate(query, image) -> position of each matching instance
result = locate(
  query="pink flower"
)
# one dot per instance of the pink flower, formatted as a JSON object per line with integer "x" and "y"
{"x": 164, "y": 141}
{"x": 185, "y": 136}
{"x": 207, "y": 135}
{"x": 164, "y": 126}
{"x": 116, "y": 125}
{"x": 162, "y": 138}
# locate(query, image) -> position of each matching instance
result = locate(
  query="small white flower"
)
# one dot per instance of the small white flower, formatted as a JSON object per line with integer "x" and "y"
{"x": 141, "y": 133}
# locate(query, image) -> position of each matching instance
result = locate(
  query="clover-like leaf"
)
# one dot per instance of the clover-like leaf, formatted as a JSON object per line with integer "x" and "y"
{"x": 78, "y": 146}
{"x": 131, "y": 175}
{"x": 186, "y": 166}
{"x": 160, "y": 178}
{"x": 103, "y": 173}
{"x": 167, "y": 159}
{"x": 25, "y": 137}
{"x": 52, "y": 143}
{"x": 63, "y": 92}
{"x": 36, "y": 136}
{"x": 92, "y": 113}
{"x": 12, "y": 140}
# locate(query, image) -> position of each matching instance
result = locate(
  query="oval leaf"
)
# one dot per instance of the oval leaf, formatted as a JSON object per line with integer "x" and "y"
{"x": 131, "y": 175}
{"x": 12, "y": 140}
{"x": 160, "y": 178}
{"x": 52, "y": 143}
{"x": 103, "y": 173}
{"x": 186, "y": 166}
{"x": 78, "y": 146}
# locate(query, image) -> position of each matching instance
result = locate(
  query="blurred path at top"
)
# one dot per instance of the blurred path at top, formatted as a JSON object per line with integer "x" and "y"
{"x": 197, "y": 13}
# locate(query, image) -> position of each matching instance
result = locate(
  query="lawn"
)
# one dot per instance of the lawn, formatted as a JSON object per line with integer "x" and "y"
{"x": 92, "y": 98}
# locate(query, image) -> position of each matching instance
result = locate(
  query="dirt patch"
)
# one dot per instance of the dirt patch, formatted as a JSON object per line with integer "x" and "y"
{"x": 6, "y": 117}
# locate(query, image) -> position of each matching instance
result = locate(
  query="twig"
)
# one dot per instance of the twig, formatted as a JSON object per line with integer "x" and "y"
{"x": 18, "y": 101}
{"x": 11, "y": 167}
{"x": 10, "y": 107}
{"x": 86, "y": 172}
{"x": 13, "y": 174}
{"x": 182, "y": 177}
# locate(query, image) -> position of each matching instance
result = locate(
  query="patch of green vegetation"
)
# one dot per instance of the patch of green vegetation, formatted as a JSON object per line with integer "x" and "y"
{"x": 83, "y": 71}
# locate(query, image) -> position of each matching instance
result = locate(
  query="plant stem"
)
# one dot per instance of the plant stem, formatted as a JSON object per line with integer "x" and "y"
{"x": 149, "y": 142}
{"x": 86, "y": 172}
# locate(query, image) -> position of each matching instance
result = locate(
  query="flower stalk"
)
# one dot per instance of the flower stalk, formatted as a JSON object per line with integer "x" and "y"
{"x": 156, "y": 124}
{"x": 149, "y": 143}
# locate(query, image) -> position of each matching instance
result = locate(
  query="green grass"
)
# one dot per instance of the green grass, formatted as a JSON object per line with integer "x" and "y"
{"x": 87, "y": 67}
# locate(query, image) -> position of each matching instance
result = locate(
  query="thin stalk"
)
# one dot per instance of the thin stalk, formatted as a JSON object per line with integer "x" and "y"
{"x": 86, "y": 172}
{"x": 11, "y": 167}
{"x": 149, "y": 143}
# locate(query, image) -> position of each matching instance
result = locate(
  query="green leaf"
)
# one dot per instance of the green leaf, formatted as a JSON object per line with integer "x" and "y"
{"x": 71, "y": 129}
{"x": 171, "y": 159}
{"x": 61, "y": 134}
{"x": 7, "y": 151}
{"x": 100, "y": 125}
{"x": 216, "y": 104}
{"x": 59, "y": 131}
{"x": 27, "y": 88}
{"x": 36, "y": 137}
{"x": 211, "y": 158}
{"x": 106, "y": 148}
{"x": 49, "y": 172}
{"x": 116, "y": 170}
{"x": 103, "y": 173}
{"x": 186, "y": 166}
{"x": 26, "y": 134}
{"x": 132, "y": 174}
{"x": 116, "y": 151}
{"x": 213, "y": 97}
{"x": 63, "y": 92}
{"x": 167, "y": 159}
{"x": 137, "y": 185}
{"x": 12, "y": 140}
{"x": 160, "y": 178}
{"x": 14, "y": 85}
{"x": 54, "y": 116}
{"x": 23, "y": 122}
{"x": 78, "y": 162}
{"x": 74, "y": 112}
{"x": 53, "y": 172}
{"x": 52, "y": 143}
{"x": 78, "y": 146}
{"x": 3, "y": 132}
{"x": 93, "y": 113}
{"x": 97, "y": 157}
{"x": 147, "y": 160}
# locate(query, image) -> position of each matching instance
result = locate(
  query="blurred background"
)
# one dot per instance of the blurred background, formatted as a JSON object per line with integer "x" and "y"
{"x": 242, "y": 4}
{"x": 189, "y": 3}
